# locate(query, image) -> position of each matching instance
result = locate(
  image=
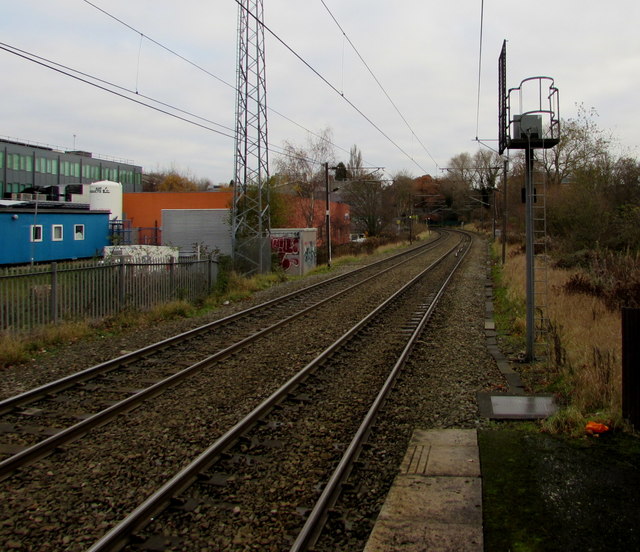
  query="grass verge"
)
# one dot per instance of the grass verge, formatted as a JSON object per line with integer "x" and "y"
{"x": 585, "y": 367}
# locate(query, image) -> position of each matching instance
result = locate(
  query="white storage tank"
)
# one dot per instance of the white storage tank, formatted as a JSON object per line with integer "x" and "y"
{"x": 106, "y": 196}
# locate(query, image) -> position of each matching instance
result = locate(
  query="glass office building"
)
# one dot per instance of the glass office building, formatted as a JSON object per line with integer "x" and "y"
{"x": 27, "y": 167}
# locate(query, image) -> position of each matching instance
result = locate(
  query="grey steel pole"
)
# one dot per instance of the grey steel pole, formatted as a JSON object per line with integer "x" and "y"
{"x": 504, "y": 214}
{"x": 530, "y": 284}
{"x": 327, "y": 214}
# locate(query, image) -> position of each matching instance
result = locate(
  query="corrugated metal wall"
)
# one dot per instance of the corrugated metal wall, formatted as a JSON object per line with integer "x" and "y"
{"x": 196, "y": 231}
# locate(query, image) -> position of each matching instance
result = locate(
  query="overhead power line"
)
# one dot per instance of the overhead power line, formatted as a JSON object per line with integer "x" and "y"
{"x": 323, "y": 79}
{"x": 375, "y": 78}
{"x": 84, "y": 77}
{"x": 122, "y": 92}
{"x": 479, "y": 67}
{"x": 159, "y": 44}
{"x": 202, "y": 69}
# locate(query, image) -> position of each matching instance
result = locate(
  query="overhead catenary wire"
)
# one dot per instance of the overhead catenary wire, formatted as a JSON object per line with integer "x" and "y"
{"x": 93, "y": 81}
{"x": 479, "y": 67}
{"x": 199, "y": 68}
{"x": 82, "y": 76}
{"x": 135, "y": 97}
{"x": 330, "y": 85}
{"x": 159, "y": 44}
{"x": 375, "y": 78}
{"x": 70, "y": 73}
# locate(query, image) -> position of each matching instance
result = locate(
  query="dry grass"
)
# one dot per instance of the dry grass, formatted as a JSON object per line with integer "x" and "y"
{"x": 585, "y": 367}
{"x": 16, "y": 349}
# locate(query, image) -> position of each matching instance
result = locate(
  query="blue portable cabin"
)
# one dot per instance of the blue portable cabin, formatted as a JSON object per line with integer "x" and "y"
{"x": 50, "y": 231}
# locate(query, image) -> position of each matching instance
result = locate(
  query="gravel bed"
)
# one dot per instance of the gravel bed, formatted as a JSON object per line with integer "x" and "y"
{"x": 62, "y": 503}
{"x": 60, "y": 361}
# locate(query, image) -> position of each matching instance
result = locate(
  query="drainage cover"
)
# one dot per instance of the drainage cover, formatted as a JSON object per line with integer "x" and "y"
{"x": 516, "y": 407}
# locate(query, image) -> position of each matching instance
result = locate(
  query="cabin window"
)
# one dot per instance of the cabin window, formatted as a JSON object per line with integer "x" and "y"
{"x": 36, "y": 232}
{"x": 78, "y": 231}
{"x": 56, "y": 232}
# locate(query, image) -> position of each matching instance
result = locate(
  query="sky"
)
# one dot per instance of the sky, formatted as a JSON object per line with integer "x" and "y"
{"x": 436, "y": 89}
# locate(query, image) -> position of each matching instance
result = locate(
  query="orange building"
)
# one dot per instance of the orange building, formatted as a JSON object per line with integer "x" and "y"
{"x": 144, "y": 210}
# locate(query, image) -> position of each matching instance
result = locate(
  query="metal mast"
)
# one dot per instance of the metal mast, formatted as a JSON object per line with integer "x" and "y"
{"x": 536, "y": 125}
{"x": 251, "y": 194}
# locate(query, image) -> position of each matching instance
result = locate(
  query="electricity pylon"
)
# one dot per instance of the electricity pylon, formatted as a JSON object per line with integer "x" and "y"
{"x": 251, "y": 224}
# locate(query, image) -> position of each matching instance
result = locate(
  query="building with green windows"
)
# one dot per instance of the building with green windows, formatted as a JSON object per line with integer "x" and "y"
{"x": 27, "y": 168}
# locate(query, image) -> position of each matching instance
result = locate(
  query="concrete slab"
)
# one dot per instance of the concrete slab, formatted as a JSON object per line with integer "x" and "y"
{"x": 406, "y": 536}
{"x": 434, "y": 460}
{"x": 436, "y": 499}
{"x": 435, "y": 503}
{"x": 445, "y": 437}
{"x": 538, "y": 406}
{"x": 454, "y": 461}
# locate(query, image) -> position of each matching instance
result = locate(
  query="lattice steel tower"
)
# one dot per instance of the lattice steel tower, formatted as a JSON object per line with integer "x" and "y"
{"x": 251, "y": 194}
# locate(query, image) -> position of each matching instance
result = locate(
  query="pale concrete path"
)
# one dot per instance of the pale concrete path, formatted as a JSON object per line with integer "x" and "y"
{"x": 435, "y": 503}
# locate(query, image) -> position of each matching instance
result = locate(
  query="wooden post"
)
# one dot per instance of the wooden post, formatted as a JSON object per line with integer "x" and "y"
{"x": 631, "y": 366}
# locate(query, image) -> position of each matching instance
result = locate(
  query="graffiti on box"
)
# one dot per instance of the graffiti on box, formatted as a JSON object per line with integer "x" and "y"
{"x": 288, "y": 251}
{"x": 310, "y": 255}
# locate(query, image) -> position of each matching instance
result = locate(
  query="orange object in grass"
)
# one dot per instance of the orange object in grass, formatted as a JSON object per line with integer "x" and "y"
{"x": 595, "y": 428}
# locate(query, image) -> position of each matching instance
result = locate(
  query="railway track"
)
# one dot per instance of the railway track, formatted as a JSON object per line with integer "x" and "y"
{"x": 287, "y": 461}
{"x": 35, "y": 423}
{"x": 66, "y": 500}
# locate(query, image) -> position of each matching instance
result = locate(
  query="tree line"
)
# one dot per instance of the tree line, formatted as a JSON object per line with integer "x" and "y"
{"x": 592, "y": 192}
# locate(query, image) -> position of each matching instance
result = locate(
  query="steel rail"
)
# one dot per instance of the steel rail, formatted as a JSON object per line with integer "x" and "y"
{"x": 37, "y": 393}
{"x": 71, "y": 433}
{"x": 116, "y": 538}
{"x": 318, "y": 515}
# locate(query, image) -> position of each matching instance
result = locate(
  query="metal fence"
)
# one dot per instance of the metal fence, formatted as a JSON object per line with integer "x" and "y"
{"x": 38, "y": 295}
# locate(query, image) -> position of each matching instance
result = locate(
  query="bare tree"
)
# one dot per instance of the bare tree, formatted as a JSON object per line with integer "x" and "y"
{"x": 301, "y": 172}
{"x": 458, "y": 182}
{"x": 583, "y": 147}
{"x": 402, "y": 195}
{"x": 365, "y": 192}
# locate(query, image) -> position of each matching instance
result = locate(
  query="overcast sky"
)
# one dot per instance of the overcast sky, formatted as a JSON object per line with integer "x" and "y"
{"x": 425, "y": 53}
